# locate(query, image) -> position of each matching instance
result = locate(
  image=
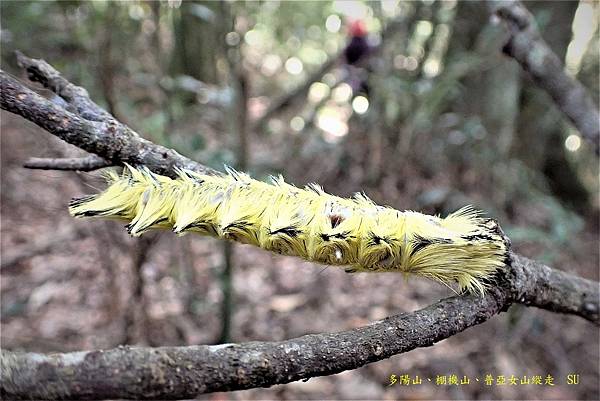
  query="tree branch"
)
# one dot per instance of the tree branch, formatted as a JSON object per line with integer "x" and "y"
{"x": 76, "y": 96}
{"x": 88, "y": 163}
{"x": 184, "y": 372}
{"x": 526, "y": 45}
{"x": 108, "y": 139}
{"x": 286, "y": 100}
{"x": 536, "y": 284}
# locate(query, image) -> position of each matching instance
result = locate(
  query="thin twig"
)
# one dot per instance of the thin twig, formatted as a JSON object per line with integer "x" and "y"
{"x": 109, "y": 139}
{"x": 88, "y": 163}
{"x": 286, "y": 100}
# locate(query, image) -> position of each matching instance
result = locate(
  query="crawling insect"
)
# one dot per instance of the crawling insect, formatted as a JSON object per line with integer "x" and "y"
{"x": 463, "y": 248}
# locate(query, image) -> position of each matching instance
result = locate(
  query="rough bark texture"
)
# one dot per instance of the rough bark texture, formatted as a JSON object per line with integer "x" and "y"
{"x": 107, "y": 138}
{"x": 76, "y": 97}
{"x": 538, "y": 285}
{"x": 184, "y": 372}
{"x": 526, "y": 45}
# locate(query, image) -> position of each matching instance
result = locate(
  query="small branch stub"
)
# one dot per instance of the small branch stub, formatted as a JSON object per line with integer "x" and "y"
{"x": 89, "y": 163}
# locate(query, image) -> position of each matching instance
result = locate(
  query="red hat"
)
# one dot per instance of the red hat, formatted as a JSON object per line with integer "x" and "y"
{"x": 358, "y": 28}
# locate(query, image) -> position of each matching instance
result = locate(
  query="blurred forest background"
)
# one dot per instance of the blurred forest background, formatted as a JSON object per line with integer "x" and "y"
{"x": 440, "y": 118}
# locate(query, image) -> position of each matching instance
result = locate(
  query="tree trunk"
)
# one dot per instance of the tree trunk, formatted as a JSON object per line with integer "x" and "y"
{"x": 540, "y": 143}
{"x": 195, "y": 53}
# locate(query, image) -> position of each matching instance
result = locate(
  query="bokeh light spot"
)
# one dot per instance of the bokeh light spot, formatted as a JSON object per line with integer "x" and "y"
{"x": 297, "y": 123}
{"x": 294, "y": 66}
{"x": 342, "y": 93}
{"x": 333, "y": 23}
{"x": 317, "y": 92}
{"x": 573, "y": 143}
{"x": 360, "y": 104}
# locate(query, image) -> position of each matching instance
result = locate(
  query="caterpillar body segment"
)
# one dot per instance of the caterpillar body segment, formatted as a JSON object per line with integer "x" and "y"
{"x": 463, "y": 248}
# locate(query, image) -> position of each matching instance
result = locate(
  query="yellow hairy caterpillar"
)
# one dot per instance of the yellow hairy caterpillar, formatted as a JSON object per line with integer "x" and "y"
{"x": 463, "y": 248}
